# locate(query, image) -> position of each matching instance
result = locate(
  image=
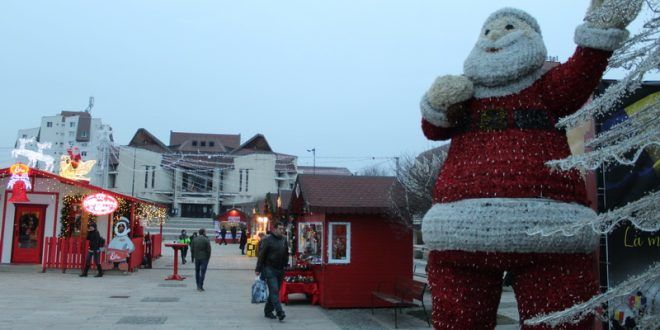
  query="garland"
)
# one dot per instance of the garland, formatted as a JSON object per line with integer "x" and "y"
{"x": 66, "y": 224}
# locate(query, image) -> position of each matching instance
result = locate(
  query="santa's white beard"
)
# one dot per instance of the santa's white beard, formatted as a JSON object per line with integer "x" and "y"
{"x": 520, "y": 54}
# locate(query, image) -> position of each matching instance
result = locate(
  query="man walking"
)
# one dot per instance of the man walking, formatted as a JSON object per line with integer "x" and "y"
{"x": 223, "y": 234}
{"x": 273, "y": 257}
{"x": 95, "y": 245}
{"x": 200, "y": 248}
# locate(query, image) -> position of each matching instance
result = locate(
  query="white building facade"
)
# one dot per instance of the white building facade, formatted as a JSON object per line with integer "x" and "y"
{"x": 199, "y": 175}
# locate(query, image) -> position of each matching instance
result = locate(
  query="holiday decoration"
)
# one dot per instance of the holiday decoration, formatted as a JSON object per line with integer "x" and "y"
{"x": 100, "y": 204}
{"x": 495, "y": 188}
{"x": 19, "y": 182}
{"x": 73, "y": 167}
{"x": 71, "y": 216}
{"x": 120, "y": 246}
{"x": 34, "y": 156}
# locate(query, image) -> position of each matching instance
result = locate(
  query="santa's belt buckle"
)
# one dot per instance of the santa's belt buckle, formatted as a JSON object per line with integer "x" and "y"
{"x": 493, "y": 120}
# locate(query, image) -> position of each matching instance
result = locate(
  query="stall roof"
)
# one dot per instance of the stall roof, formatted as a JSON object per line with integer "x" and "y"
{"x": 83, "y": 184}
{"x": 345, "y": 194}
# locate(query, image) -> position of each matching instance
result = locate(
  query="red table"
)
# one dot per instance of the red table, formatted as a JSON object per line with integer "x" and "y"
{"x": 306, "y": 288}
{"x": 176, "y": 246}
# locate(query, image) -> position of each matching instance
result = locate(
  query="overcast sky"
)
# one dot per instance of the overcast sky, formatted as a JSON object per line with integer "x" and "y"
{"x": 344, "y": 77}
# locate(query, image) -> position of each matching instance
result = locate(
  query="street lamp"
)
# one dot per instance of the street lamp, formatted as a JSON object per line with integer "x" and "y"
{"x": 313, "y": 151}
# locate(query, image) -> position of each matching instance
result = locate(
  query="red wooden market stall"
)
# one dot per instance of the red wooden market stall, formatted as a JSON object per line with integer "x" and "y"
{"x": 45, "y": 219}
{"x": 232, "y": 218}
{"x": 345, "y": 234}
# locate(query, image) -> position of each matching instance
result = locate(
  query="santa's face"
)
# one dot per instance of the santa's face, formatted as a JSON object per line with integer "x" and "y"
{"x": 507, "y": 50}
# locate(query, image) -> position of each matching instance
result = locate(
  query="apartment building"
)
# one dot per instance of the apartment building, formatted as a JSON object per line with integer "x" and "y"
{"x": 70, "y": 129}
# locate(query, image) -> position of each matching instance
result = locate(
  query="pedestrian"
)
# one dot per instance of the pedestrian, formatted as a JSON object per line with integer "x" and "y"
{"x": 233, "y": 234}
{"x": 243, "y": 241}
{"x": 273, "y": 257}
{"x": 192, "y": 255}
{"x": 201, "y": 250}
{"x": 184, "y": 239}
{"x": 260, "y": 237}
{"x": 95, "y": 245}
{"x": 223, "y": 234}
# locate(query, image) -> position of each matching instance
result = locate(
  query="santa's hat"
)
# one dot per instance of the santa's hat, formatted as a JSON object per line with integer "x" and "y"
{"x": 517, "y": 13}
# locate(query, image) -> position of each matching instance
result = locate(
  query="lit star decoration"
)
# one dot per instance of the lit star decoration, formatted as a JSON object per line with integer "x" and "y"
{"x": 100, "y": 204}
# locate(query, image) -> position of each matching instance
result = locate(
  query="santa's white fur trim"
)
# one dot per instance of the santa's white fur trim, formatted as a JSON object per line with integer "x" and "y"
{"x": 506, "y": 225}
{"x": 599, "y": 38}
{"x": 437, "y": 117}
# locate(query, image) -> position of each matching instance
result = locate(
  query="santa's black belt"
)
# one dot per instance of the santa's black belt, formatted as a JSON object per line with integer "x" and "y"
{"x": 498, "y": 120}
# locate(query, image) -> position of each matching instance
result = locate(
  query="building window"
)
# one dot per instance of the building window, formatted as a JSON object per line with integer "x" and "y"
{"x": 72, "y": 124}
{"x": 83, "y": 153}
{"x": 202, "y": 143}
{"x": 112, "y": 180}
{"x": 211, "y": 144}
{"x": 49, "y": 124}
{"x": 83, "y": 134}
{"x": 194, "y": 143}
{"x": 339, "y": 242}
{"x": 146, "y": 176}
{"x": 222, "y": 178}
{"x": 153, "y": 176}
{"x": 240, "y": 180}
{"x": 247, "y": 177}
{"x": 24, "y": 136}
{"x": 70, "y": 133}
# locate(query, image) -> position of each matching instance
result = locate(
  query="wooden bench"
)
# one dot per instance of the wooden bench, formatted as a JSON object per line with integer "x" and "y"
{"x": 406, "y": 293}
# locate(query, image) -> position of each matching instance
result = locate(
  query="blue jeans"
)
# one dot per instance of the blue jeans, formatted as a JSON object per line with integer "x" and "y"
{"x": 273, "y": 278}
{"x": 200, "y": 271}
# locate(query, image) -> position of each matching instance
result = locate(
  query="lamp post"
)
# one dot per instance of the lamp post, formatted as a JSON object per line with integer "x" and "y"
{"x": 313, "y": 151}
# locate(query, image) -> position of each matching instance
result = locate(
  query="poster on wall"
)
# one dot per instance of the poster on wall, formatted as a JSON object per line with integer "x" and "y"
{"x": 629, "y": 250}
{"x": 310, "y": 243}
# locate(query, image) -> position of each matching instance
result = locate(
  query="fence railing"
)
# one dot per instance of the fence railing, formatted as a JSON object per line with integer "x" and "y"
{"x": 70, "y": 252}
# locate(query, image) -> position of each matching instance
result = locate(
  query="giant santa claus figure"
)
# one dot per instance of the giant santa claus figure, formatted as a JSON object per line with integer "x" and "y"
{"x": 494, "y": 187}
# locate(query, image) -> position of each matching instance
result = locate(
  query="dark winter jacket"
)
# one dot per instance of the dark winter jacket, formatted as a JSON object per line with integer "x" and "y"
{"x": 233, "y": 232}
{"x": 243, "y": 240}
{"x": 273, "y": 252}
{"x": 200, "y": 248}
{"x": 94, "y": 239}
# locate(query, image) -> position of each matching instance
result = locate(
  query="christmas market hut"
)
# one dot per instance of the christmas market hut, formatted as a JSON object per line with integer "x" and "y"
{"x": 345, "y": 235}
{"x": 46, "y": 216}
{"x": 233, "y": 218}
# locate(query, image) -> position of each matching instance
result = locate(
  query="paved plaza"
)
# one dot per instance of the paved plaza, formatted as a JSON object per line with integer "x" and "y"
{"x": 30, "y": 299}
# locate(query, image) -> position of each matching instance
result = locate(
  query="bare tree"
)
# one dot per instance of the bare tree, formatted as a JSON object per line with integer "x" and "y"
{"x": 413, "y": 194}
{"x": 373, "y": 170}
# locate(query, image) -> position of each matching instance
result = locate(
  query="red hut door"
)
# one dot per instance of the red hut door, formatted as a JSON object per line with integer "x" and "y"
{"x": 28, "y": 233}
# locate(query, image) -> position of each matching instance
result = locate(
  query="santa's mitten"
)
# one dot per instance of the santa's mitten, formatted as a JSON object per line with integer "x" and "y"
{"x": 605, "y": 23}
{"x": 446, "y": 92}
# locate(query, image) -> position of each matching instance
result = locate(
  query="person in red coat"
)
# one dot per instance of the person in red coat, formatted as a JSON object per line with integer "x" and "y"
{"x": 494, "y": 189}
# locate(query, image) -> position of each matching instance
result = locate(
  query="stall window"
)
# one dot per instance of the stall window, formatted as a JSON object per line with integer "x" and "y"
{"x": 310, "y": 242}
{"x": 339, "y": 243}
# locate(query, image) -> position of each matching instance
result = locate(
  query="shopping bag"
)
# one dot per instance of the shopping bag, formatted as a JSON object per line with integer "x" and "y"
{"x": 259, "y": 291}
